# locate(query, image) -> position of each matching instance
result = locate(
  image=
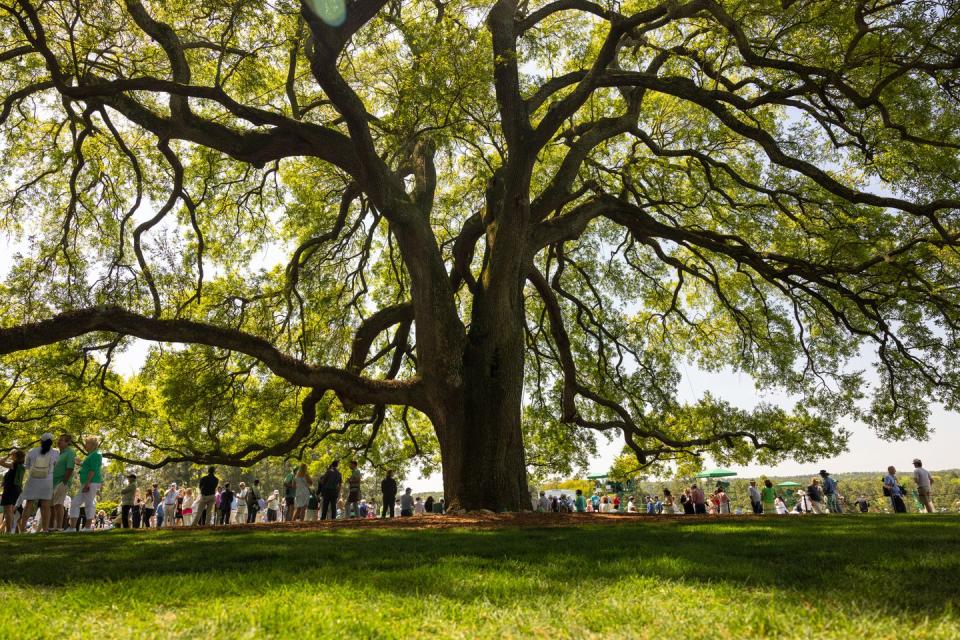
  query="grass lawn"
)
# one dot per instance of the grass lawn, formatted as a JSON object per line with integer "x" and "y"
{"x": 868, "y": 577}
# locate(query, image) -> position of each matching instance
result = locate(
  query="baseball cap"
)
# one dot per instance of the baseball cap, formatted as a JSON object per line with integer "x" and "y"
{"x": 47, "y": 436}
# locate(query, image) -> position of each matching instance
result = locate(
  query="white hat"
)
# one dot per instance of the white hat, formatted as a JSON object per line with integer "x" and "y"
{"x": 47, "y": 436}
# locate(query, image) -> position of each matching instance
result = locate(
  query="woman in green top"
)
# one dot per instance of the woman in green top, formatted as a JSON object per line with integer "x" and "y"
{"x": 768, "y": 496}
{"x": 12, "y": 487}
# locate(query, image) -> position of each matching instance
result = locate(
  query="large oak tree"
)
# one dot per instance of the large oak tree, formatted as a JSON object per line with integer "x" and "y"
{"x": 506, "y": 226}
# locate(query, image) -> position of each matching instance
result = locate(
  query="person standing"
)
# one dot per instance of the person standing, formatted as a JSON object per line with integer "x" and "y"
{"x": 39, "y": 463}
{"x": 158, "y": 505}
{"x": 353, "y": 491}
{"x": 768, "y": 496}
{"x": 543, "y": 504}
{"x": 301, "y": 496}
{"x": 273, "y": 505}
{"x": 723, "y": 501}
{"x": 137, "y": 511}
{"x": 892, "y": 489}
{"x": 204, "y": 507}
{"x": 756, "y": 500}
{"x": 289, "y": 494}
{"x": 128, "y": 497}
{"x": 686, "y": 502}
{"x": 699, "y": 500}
{"x": 186, "y": 506}
{"x": 815, "y": 496}
{"x": 313, "y": 507}
{"x": 169, "y": 506}
{"x": 242, "y": 503}
{"x": 595, "y": 502}
{"x": 91, "y": 478}
{"x": 63, "y": 473}
{"x": 12, "y": 487}
{"x": 388, "y": 487}
{"x": 226, "y": 505}
{"x": 406, "y": 504}
{"x": 329, "y": 488}
{"x": 580, "y": 503}
{"x": 149, "y": 507}
{"x": 253, "y": 501}
{"x": 830, "y": 492}
{"x": 924, "y": 484}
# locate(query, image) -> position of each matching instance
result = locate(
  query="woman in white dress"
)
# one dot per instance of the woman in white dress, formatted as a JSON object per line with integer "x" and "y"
{"x": 39, "y": 487}
{"x": 302, "y": 496}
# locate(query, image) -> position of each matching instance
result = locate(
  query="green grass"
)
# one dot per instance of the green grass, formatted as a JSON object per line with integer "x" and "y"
{"x": 867, "y": 577}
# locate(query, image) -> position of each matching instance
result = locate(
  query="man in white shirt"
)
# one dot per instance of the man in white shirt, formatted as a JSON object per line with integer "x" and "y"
{"x": 406, "y": 504}
{"x": 754, "y": 494}
{"x": 924, "y": 483}
{"x": 170, "y": 505}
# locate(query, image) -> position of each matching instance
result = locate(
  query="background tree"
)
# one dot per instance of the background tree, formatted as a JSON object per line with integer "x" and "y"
{"x": 499, "y": 219}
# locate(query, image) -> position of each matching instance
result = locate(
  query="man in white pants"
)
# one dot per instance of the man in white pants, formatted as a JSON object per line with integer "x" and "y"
{"x": 91, "y": 477}
{"x": 170, "y": 506}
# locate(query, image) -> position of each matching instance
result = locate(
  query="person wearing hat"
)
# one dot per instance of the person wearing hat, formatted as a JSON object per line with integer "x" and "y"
{"x": 91, "y": 477}
{"x": 924, "y": 483}
{"x": 128, "y": 496}
{"x": 170, "y": 506}
{"x": 39, "y": 464}
{"x": 830, "y": 492}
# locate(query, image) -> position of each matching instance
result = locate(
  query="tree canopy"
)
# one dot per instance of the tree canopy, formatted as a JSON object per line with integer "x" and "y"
{"x": 501, "y": 227}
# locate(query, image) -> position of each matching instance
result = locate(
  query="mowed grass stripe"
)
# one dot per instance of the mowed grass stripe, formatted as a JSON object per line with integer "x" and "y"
{"x": 791, "y": 577}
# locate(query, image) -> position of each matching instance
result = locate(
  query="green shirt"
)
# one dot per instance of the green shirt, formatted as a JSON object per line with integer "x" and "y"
{"x": 354, "y": 483}
{"x": 67, "y": 460}
{"x": 767, "y": 495}
{"x": 93, "y": 462}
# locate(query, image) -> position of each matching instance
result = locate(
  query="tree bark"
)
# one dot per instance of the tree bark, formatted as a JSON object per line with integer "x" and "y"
{"x": 481, "y": 442}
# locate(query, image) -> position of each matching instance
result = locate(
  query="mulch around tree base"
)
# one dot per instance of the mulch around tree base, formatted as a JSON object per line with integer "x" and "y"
{"x": 472, "y": 520}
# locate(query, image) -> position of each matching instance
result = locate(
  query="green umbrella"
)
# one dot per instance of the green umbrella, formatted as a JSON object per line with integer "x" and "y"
{"x": 789, "y": 484}
{"x": 719, "y": 472}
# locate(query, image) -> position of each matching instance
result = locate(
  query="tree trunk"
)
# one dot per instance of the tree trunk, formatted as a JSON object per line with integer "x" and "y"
{"x": 481, "y": 441}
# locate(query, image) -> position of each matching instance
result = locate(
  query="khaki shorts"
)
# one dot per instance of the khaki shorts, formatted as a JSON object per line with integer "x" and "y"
{"x": 923, "y": 492}
{"x": 59, "y": 493}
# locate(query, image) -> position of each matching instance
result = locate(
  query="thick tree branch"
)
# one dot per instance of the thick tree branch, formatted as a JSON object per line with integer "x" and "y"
{"x": 73, "y": 324}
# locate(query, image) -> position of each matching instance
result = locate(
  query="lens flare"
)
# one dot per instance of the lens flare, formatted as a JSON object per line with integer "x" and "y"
{"x": 333, "y": 12}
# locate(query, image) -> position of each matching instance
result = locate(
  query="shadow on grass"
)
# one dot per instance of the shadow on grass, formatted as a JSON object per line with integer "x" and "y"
{"x": 908, "y": 564}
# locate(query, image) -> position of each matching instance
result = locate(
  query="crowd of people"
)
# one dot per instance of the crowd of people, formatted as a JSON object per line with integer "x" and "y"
{"x": 40, "y": 494}
{"x": 46, "y": 489}
{"x": 821, "y": 495}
